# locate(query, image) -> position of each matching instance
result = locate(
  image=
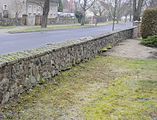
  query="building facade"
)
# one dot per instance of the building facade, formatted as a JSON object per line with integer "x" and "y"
{"x": 69, "y": 6}
{"x": 29, "y": 11}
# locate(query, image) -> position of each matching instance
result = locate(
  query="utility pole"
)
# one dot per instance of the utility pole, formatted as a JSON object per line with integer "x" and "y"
{"x": 114, "y": 14}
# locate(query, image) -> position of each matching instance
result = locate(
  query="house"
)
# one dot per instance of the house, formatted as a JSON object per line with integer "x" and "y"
{"x": 29, "y": 11}
{"x": 69, "y": 6}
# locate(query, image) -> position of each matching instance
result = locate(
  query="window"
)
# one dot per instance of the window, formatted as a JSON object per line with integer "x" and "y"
{"x": 30, "y": 6}
{"x": 39, "y": 8}
{"x": 5, "y": 7}
{"x": 34, "y": 7}
{"x": 30, "y": 9}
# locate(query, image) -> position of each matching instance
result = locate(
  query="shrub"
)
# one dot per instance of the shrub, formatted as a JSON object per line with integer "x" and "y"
{"x": 150, "y": 41}
{"x": 149, "y": 23}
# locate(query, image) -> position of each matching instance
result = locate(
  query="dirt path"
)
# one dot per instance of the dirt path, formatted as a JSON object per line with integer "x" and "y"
{"x": 133, "y": 49}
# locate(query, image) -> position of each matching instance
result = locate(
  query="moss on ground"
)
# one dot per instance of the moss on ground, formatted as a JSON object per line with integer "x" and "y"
{"x": 105, "y": 88}
{"x": 124, "y": 100}
{"x": 130, "y": 97}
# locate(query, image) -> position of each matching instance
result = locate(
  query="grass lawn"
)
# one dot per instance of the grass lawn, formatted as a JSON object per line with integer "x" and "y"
{"x": 53, "y": 27}
{"x": 7, "y": 27}
{"x": 105, "y": 88}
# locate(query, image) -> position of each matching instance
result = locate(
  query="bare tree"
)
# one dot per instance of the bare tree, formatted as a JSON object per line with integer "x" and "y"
{"x": 123, "y": 8}
{"x": 85, "y": 5}
{"x": 45, "y": 5}
{"x": 150, "y": 3}
{"x": 18, "y": 8}
{"x": 153, "y": 4}
{"x": 137, "y": 8}
{"x": 130, "y": 10}
{"x": 46, "y": 9}
{"x": 114, "y": 14}
{"x": 98, "y": 10}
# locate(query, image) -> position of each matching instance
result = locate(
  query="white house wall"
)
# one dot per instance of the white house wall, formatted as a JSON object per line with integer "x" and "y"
{"x": 53, "y": 13}
{"x": 34, "y": 9}
{"x": 12, "y": 7}
{"x": 24, "y": 8}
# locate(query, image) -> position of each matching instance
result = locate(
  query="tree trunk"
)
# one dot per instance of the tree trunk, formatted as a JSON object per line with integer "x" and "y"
{"x": 96, "y": 20}
{"x": 136, "y": 16}
{"x": 114, "y": 15}
{"x": 126, "y": 18}
{"x": 137, "y": 10}
{"x": 45, "y": 13}
{"x": 83, "y": 18}
{"x": 130, "y": 15}
{"x": 16, "y": 19}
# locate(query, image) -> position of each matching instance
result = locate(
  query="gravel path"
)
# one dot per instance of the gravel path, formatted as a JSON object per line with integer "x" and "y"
{"x": 132, "y": 48}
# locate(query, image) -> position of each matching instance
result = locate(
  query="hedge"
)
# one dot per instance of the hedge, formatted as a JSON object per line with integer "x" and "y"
{"x": 151, "y": 41}
{"x": 149, "y": 23}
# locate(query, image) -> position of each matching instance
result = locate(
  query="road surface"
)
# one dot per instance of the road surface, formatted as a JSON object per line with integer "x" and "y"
{"x": 10, "y": 43}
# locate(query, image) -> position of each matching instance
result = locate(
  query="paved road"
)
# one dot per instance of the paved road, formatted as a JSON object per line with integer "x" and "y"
{"x": 10, "y": 43}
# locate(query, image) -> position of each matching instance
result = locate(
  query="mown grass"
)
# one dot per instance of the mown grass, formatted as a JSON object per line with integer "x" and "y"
{"x": 49, "y": 28}
{"x": 7, "y": 27}
{"x": 125, "y": 100}
{"x": 130, "y": 97}
{"x": 105, "y": 88}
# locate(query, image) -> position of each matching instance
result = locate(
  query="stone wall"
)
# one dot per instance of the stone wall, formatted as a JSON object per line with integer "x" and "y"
{"x": 66, "y": 21}
{"x": 23, "y": 70}
{"x": 10, "y": 21}
{"x": 35, "y": 20}
{"x": 7, "y": 22}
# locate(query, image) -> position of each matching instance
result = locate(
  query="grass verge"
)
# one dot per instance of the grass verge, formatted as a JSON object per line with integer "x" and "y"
{"x": 7, "y": 27}
{"x": 53, "y": 27}
{"x": 49, "y": 28}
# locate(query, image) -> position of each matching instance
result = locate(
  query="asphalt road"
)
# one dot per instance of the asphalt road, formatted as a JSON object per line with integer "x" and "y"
{"x": 10, "y": 43}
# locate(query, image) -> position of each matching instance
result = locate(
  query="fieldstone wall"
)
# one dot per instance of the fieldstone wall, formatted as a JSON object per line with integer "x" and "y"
{"x": 10, "y": 21}
{"x": 7, "y": 22}
{"x": 60, "y": 21}
{"x": 23, "y": 70}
